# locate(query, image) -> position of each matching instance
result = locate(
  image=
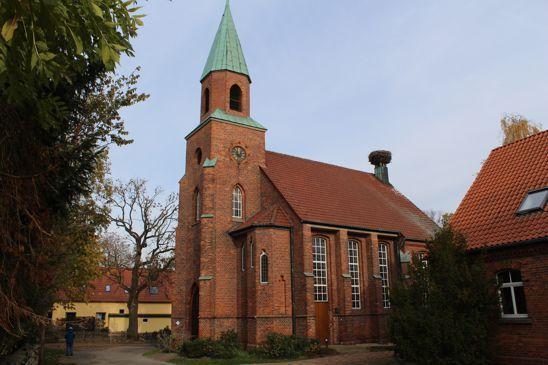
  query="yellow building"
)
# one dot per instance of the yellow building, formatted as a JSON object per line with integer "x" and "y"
{"x": 107, "y": 303}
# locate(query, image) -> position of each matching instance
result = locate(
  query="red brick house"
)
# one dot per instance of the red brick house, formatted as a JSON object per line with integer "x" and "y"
{"x": 268, "y": 242}
{"x": 505, "y": 220}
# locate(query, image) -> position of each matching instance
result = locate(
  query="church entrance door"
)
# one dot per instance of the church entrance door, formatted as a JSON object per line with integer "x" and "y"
{"x": 195, "y": 312}
{"x": 322, "y": 321}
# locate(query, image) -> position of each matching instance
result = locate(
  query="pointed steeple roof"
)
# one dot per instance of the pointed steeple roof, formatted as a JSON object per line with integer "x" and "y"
{"x": 226, "y": 52}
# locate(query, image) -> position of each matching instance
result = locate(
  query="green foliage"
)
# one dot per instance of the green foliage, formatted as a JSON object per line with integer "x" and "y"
{"x": 280, "y": 346}
{"x": 444, "y": 312}
{"x": 59, "y": 111}
{"x": 226, "y": 347}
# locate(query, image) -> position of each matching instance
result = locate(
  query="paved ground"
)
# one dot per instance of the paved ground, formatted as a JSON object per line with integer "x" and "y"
{"x": 115, "y": 355}
{"x": 133, "y": 355}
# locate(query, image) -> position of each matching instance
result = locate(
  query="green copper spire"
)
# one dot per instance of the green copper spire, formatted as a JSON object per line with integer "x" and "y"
{"x": 226, "y": 52}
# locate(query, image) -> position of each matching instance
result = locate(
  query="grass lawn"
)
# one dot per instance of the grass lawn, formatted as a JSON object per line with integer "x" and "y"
{"x": 242, "y": 358}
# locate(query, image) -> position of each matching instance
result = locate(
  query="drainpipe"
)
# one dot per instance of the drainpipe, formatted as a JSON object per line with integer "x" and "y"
{"x": 399, "y": 243}
{"x": 292, "y": 261}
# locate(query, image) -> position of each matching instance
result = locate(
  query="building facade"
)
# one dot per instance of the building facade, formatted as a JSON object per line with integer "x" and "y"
{"x": 106, "y": 301}
{"x": 505, "y": 221}
{"x": 268, "y": 242}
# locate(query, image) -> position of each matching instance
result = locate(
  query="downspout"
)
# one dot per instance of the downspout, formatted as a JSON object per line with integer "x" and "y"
{"x": 400, "y": 242}
{"x": 292, "y": 261}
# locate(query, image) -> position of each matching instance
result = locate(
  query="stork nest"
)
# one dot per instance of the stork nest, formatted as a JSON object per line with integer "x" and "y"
{"x": 380, "y": 158}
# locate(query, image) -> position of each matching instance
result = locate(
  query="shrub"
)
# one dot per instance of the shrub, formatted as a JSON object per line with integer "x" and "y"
{"x": 443, "y": 314}
{"x": 169, "y": 343}
{"x": 280, "y": 346}
{"x": 224, "y": 348}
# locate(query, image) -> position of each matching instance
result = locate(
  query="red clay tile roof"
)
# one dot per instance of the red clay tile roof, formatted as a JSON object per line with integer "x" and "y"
{"x": 98, "y": 294}
{"x": 329, "y": 194}
{"x": 272, "y": 216}
{"x": 487, "y": 214}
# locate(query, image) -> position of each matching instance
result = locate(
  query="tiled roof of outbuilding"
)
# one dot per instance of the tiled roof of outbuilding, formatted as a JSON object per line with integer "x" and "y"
{"x": 272, "y": 216}
{"x": 487, "y": 214}
{"x": 334, "y": 195}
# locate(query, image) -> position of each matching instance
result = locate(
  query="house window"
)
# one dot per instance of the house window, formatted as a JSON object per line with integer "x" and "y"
{"x": 264, "y": 268}
{"x": 251, "y": 248}
{"x": 197, "y": 204}
{"x": 512, "y": 295}
{"x": 121, "y": 311}
{"x": 236, "y": 98}
{"x": 383, "y": 266}
{"x": 145, "y": 320}
{"x": 70, "y": 316}
{"x": 534, "y": 201}
{"x": 423, "y": 258}
{"x": 101, "y": 316}
{"x": 319, "y": 268}
{"x": 237, "y": 202}
{"x": 206, "y": 100}
{"x": 107, "y": 288}
{"x": 154, "y": 290}
{"x": 354, "y": 271}
{"x": 243, "y": 256}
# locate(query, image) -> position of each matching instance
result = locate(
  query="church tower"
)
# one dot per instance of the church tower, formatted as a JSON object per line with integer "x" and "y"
{"x": 219, "y": 191}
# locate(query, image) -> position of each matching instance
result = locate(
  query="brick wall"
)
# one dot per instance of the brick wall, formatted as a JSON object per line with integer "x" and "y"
{"x": 524, "y": 341}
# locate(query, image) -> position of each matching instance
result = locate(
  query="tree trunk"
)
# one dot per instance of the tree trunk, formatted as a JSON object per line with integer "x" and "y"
{"x": 133, "y": 328}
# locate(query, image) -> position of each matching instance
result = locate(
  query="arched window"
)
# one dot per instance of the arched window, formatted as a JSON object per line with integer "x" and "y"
{"x": 198, "y": 155}
{"x": 206, "y": 100}
{"x": 243, "y": 256}
{"x": 319, "y": 268}
{"x": 237, "y": 202}
{"x": 251, "y": 249}
{"x": 354, "y": 271}
{"x": 236, "y": 98}
{"x": 264, "y": 268}
{"x": 385, "y": 280}
{"x": 512, "y": 295}
{"x": 197, "y": 204}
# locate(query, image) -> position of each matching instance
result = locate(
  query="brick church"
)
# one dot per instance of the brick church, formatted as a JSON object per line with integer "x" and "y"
{"x": 268, "y": 242}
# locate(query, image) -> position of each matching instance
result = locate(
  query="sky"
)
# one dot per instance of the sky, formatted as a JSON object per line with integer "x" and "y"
{"x": 335, "y": 80}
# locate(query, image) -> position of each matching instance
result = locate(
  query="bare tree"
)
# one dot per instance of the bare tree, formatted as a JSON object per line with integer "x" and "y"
{"x": 144, "y": 243}
{"x": 515, "y": 127}
{"x": 439, "y": 217}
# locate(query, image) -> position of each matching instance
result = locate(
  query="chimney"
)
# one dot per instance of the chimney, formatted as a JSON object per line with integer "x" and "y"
{"x": 380, "y": 159}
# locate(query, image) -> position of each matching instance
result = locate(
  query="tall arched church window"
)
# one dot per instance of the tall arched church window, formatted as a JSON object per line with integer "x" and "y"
{"x": 236, "y": 98}
{"x": 319, "y": 268}
{"x": 197, "y": 204}
{"x": 264, "y": 268}
{"x": 198, "y": 155}
{"x": 237, "y": 202}
{"x": 354, "y": 271}
{"x": 385, "y": 280}
{"x": 251, "y": 258}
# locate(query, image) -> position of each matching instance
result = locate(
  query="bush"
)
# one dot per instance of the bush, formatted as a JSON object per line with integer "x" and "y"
{"x": 443, "y": 314}
{"x": 168, "y": 342}
{"x": 224, "y": 348}
{"x": 280, "y": 346}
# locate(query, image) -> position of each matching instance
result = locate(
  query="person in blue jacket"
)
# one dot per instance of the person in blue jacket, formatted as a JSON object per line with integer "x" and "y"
{"x": 69, "y": 340}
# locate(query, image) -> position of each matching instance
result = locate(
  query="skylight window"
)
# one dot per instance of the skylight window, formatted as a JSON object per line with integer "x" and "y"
{"x": 535, "y": 200}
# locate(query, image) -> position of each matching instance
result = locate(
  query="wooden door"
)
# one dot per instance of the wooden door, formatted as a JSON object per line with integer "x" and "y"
{"x": 322, "y": 322}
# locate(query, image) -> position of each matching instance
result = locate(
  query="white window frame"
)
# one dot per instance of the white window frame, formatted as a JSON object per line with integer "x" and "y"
{"x": 511, "y": 285}
{"x": 354, "y": 271}
{"x": 384, "y": 271}
{"x": 237, "y": 202}
{"x": 251, "y": 248}
{"x": 319, "y": 269}
{"x": 263, "y": 254}
{"x": 107, "y": 288}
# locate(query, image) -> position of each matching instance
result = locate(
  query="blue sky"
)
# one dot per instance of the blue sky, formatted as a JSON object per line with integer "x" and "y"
{"x": 334, "y": 80}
